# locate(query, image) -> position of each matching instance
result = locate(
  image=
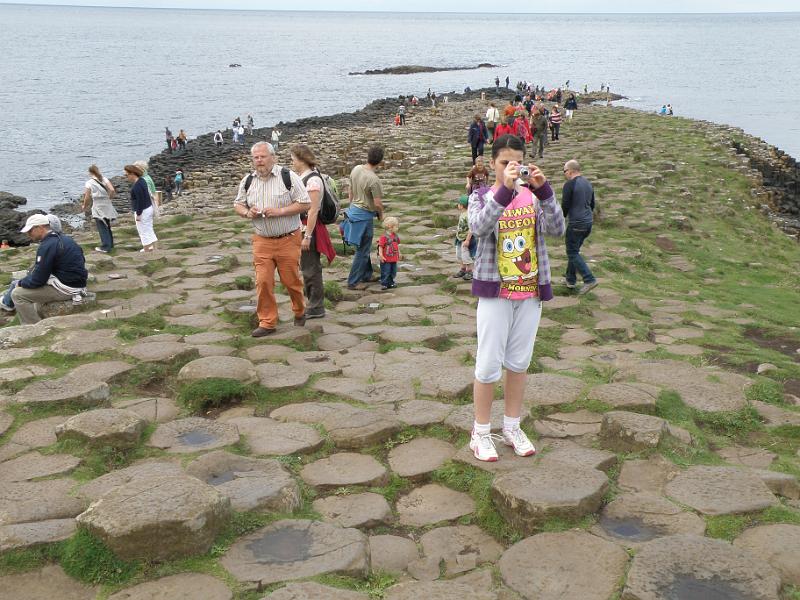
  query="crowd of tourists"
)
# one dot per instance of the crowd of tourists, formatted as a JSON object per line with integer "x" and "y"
{"x": 499, "y": 242}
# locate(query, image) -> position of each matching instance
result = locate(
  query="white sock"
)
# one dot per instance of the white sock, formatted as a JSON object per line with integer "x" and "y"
{"x": 510, "y": 423}
{"x": 482, "y": 428}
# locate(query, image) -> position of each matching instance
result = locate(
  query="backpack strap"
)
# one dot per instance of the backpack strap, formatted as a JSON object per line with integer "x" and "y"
{"x": 287, "y": 178}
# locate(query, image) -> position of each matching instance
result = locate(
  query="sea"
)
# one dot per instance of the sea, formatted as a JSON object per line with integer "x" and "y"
{"x": 83, "y": 85}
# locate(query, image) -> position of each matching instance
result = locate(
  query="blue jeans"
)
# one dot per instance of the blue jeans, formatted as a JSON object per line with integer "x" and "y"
{"x": 106, "y": 237}
{"x": 388, "y": 273}
{"x": 361, "y": 270}
{"x": 575, "y": 236}
{"x": 7, "y": 296}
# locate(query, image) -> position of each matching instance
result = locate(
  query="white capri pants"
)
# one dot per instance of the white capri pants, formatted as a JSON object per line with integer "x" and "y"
{"x": 145, "y": 227}
{"x": 506, "y": 334}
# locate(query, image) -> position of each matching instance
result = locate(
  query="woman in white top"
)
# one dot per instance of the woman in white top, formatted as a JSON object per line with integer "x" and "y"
{"x": 492, "y": 119}
{"x": 99, "y": 190}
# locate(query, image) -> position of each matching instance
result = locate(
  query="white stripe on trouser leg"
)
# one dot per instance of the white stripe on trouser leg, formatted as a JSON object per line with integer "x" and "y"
{"x": 506, "y": 333}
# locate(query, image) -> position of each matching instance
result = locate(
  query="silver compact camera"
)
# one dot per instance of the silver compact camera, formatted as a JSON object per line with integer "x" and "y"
{"x": 524, "y": 173}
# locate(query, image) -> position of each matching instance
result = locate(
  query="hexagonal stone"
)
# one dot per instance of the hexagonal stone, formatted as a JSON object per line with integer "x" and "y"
{"x": 29, "y": 501}
{"x": 695, "y": 568}
{"x": 39, "y": 433}
{"x": 354, "y": 510}
{"x": 103, "y": 426}
{"x": 82, "y": 341}
{"x": 109, "y": 371}
{"x": 160, "y": 352}
{"x": 308, "y": 412}
{"x": 368, "y": 393}
{"x": 152, "y": 410}
{"x": 702, "y": 389}
{"x": 544, "y": 389}
{"x": 720, "y": 490}
{"x": 439, "y": 590}
{"x": 461, "y": 547}
{"x": 273, "y": 352}
{"x": 647, "y": 475}
{"x": 778, "y": 544}
{"x": 575, "y": 424}
{"x": 184, "y": 586}
{"x": 572, "y": 565}
{"x": 19, "y": 373}
{"x": 193, "y": 434}
{"x": 250, "y": 483}
{"x": 566, "y": 451}
{"x": 757, "y": 458}
{"x": 359, "y": 428}
{"x": 343, "y": 469}
{"x": 528, "y": 497}
{"x": 269, "y": 437}
{"x": 423, "y": 412}
{"x": 296, "y": 549}
{"x": 337, "y": 341}
{"x": 391, "y": 553}
{"x": 640, "y": 517}
{"x": 432, "y": 504}
{"x": 413, "y": 335}
{"x": 181, "y": 512}
{"x": 775, "y": 416}
{"x": 27, "y": 535}
{"x": 275, "y": 376}
{"x": 34, "y": 465}
{"x": 420, "y": 457}
{"x": 310, "y": 590}
{"x": 638, "y": 397}
{"x": 782, "y": 484}
{"x": 79, "y": 390}
{"x": 149, "y": 469}
{"x": 48, "y": 582}
{"x": 321, "y": 363}
{"x": 207, "y": 337}
{"x": 224, "y": 367}
{"x": 624, "y": 431}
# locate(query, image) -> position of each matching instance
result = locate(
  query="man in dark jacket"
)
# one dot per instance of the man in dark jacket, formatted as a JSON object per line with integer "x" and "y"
{"x": 59, "y": 272}
{"x": 478, "y": 134}
{"x": 577, "y": 202}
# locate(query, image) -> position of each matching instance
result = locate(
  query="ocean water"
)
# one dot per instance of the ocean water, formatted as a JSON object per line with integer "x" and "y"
{"x": 83, "y": 85}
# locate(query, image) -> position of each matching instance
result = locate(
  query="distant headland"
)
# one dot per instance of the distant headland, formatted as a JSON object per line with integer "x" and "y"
{"x": 410, "y": 69}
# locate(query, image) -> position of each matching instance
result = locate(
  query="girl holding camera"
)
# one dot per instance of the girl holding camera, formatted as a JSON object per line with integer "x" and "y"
{"x": 511, "y": 279}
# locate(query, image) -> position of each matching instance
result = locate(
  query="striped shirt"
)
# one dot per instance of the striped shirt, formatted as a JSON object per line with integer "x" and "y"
{"x": 555, "y": 118}
{"x": 270, "y": 192}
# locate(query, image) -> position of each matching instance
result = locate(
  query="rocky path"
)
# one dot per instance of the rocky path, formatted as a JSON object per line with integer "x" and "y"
{"x": 149, "y": 448}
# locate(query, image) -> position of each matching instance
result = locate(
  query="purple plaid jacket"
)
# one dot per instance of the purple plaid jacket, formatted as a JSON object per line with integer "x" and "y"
{"x": 485, "y": 208}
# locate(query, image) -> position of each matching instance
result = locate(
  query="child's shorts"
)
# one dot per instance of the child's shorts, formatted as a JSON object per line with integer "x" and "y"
{"x": 466, "y": 257}
{"x": 506, "y": 333}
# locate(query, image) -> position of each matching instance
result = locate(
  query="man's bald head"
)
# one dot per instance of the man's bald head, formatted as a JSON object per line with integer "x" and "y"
{"x": 572, "y": 165}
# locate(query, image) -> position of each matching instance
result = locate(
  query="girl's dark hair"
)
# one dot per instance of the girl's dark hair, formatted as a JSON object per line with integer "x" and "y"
{"x": 96, "y": 173}
{"x": 507, "y": 141}
{"x": 304, "y": 153}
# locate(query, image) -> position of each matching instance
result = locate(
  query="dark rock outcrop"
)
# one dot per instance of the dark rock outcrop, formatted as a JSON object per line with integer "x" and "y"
{"x": 409, "y": 69}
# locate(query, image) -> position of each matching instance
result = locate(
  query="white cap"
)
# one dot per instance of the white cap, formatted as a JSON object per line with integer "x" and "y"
{"x": 33, "y": 221}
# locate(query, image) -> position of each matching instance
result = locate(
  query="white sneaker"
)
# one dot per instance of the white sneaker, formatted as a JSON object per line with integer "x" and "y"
{"x": 6, "y": 307}
{"x": 519, "y": 441}
{"x": 99, "y": 249}
{"x": 482, "y": 445}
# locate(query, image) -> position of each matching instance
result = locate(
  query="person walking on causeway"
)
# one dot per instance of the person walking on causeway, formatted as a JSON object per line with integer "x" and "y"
{"x": 511, "y": 279}
{"x": 477, "y": 136}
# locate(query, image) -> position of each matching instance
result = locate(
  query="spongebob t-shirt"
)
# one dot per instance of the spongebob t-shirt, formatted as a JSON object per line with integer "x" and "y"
{"x": 516, "y": 249}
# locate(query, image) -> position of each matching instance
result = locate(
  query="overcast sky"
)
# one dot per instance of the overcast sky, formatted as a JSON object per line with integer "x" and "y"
{"x": 576, "y": 6}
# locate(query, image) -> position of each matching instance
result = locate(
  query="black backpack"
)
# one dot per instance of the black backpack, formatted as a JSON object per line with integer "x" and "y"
{"x": 329, "y": 203}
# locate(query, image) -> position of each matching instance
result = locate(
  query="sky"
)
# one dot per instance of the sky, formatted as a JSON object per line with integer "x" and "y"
{"x": 563, "y": 6}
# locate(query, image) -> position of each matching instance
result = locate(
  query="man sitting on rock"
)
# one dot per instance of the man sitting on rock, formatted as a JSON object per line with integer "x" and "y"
{"x": 59, "y": 273}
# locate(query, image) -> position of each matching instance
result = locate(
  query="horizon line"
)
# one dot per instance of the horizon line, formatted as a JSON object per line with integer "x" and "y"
{"x": 407, "y": 12}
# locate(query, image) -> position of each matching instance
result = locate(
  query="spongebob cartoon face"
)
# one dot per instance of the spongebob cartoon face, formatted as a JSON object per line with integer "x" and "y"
{"x": 516, "y": 257}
